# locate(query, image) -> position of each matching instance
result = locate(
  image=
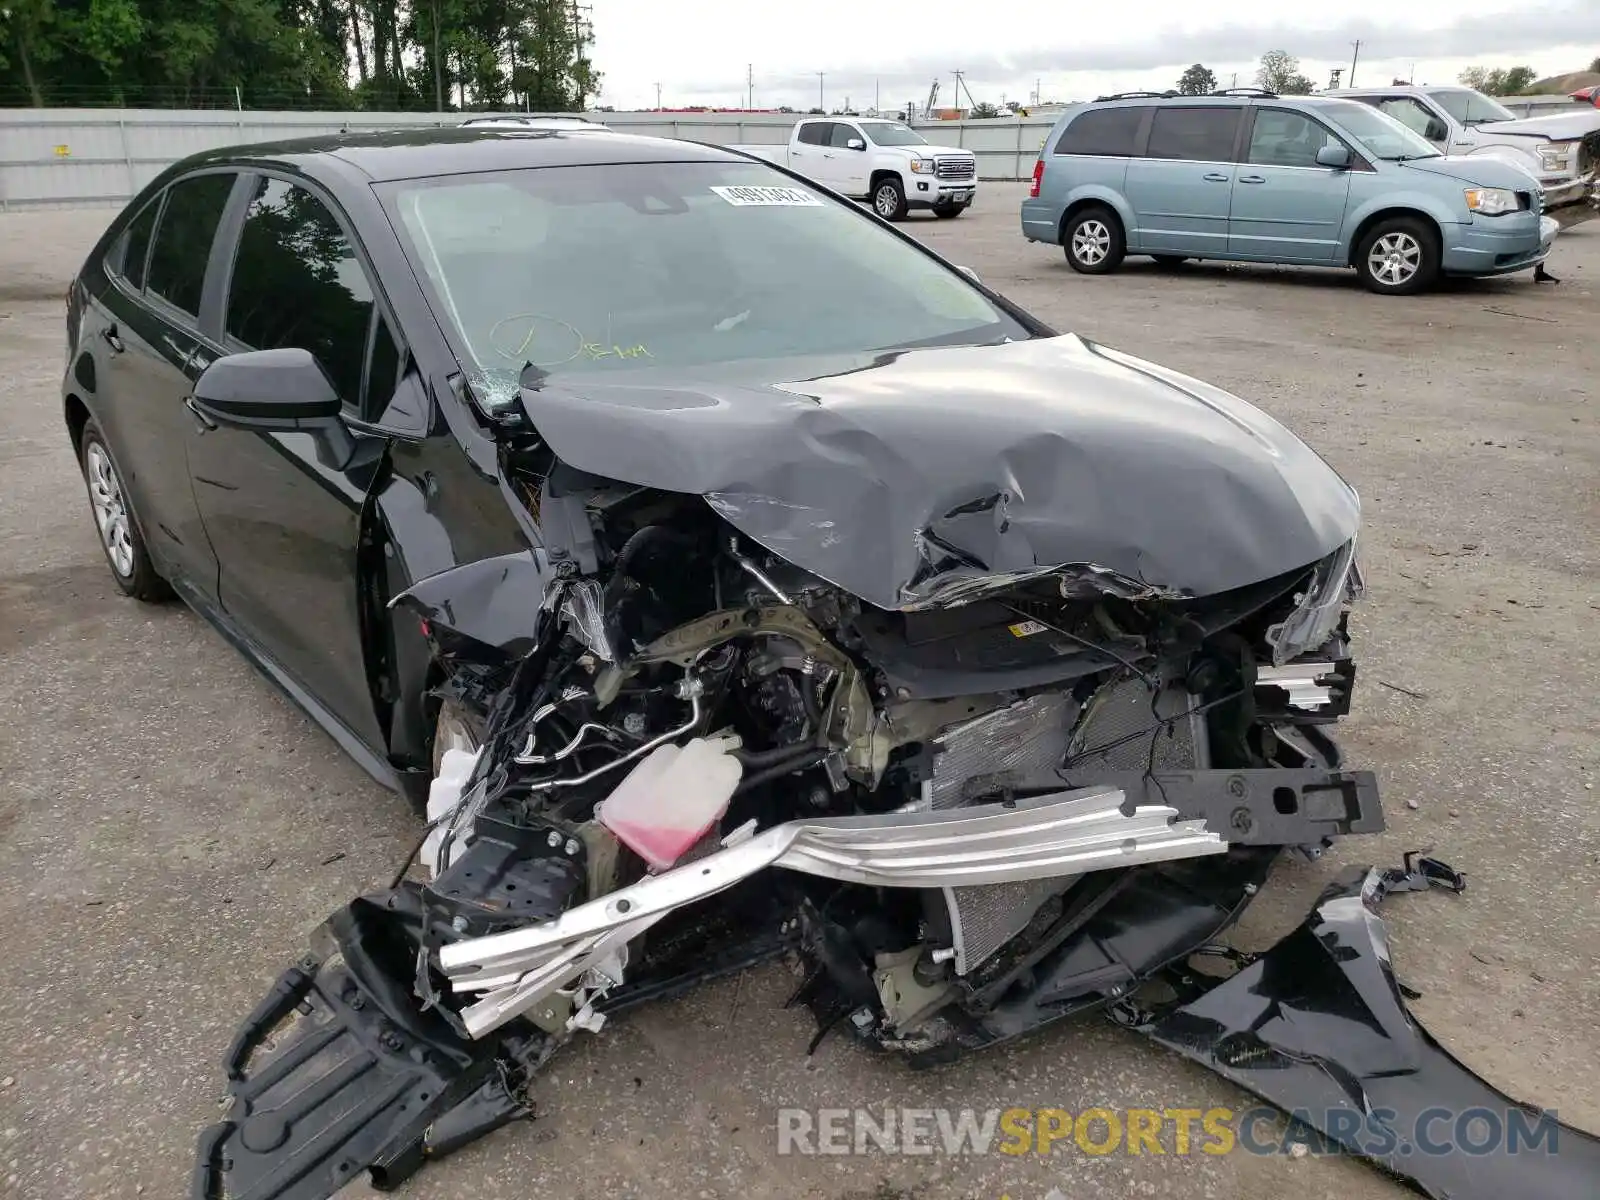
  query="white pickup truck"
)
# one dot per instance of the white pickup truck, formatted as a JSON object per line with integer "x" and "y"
{"x": 886, "y": 162}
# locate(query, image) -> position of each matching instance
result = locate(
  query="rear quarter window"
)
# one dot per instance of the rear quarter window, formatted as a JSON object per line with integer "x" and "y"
{"x": 1103, "y": 131}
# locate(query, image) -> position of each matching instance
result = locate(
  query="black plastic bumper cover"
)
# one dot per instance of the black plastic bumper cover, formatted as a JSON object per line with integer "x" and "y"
{"x": 1319, "y": 1027}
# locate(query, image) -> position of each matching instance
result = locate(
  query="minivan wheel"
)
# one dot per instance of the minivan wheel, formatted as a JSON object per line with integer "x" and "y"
{"x": 1398, "y": 257}
{"x": 114, "y": 520}
{"x": 889, "y": 200}
{"x": 1093, "y": 241}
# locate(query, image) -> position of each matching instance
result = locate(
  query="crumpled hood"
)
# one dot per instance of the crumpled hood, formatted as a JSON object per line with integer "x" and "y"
{"x": 917, "y": 474}
{"x": 1557, "y": 126}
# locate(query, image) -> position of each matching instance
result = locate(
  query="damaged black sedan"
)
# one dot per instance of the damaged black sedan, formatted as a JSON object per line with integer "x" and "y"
{"x": 731, "y": 578}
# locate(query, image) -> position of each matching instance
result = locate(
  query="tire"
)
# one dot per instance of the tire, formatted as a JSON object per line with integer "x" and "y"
{"x": 120, "y": 539}
{"x": 1169, "y": 260}
{"x": 1093, "y": 241}
{"x": 889, "y": 199}
{"x": 1399, "y": 256}
{"x": 946, "y": 211}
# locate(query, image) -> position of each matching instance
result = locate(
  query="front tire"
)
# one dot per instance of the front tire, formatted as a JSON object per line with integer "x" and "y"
{"x": 1093, "y": 241}
{"x": 946, "y": 211}
{"x": 120, "y": 538}
{"x": 889, "y": 199}
{"x": 1398, "y": 257}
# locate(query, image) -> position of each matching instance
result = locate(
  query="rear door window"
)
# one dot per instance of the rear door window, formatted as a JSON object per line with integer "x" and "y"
{"x": 1110, "y": 132}
{"x": 815, "y": 133}
{"x": 127, "y": 258}
{"x": 1196, "y": 134}
{"x": 297, "y": 282}
{"x": 177, "y": 272}
{"x": 842, "y": 133}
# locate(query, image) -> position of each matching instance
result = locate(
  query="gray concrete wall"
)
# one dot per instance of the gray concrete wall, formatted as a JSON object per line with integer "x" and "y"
{"x": 73, "y": 158}
{"x": 84, "y": 157}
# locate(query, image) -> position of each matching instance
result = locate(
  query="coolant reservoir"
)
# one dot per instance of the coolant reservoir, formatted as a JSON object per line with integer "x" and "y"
{"x": 444, "y": 797}
{"x": 671, "y": 799}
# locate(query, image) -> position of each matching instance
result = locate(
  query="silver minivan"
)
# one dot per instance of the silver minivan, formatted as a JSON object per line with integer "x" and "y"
{"x": 1277, "y": 179}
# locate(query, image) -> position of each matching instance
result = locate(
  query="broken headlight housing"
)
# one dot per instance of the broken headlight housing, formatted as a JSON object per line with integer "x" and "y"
{"x": 1334, "y": 582}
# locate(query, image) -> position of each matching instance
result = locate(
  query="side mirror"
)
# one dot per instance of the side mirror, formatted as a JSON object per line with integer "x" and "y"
{"x": 855, "y": 144}
{"x": 267, "y": 389}
{"x": 1435, "y": 131}
{"x": 1337, "y": 157}
{"x": 275, "y": 390}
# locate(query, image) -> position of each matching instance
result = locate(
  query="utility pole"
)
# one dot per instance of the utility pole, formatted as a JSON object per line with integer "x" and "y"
{"x": 658, "y": 96}
{"x": 820, "y": 105}
{"x": 749, "y": 85}
{"x": 876, "y": 107}
{"x": 1353, "y": 58}
{"x": 438, "y": 77}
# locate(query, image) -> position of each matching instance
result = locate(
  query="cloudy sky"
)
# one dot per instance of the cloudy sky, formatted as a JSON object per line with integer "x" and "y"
{"x": 697, "y": 50}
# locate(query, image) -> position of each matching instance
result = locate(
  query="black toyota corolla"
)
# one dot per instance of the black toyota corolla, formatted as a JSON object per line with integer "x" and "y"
{"x": 684, "y": 535}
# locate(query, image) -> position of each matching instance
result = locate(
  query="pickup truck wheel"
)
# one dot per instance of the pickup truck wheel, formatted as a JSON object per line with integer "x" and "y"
{"x": 1398, "y": 257}
{"x": 1093, "y": 241}
{"x": 889, "y": 199}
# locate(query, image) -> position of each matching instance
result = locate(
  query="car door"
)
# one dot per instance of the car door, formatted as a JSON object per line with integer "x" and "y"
{"x": 144, "y": 354}
{"x": 282, "y": 509}
{"x": 1286, "y": 206}
{"x": 848, "y": 166}
{"x": 807, "y": 153}
{"x": 1181, "y": 189}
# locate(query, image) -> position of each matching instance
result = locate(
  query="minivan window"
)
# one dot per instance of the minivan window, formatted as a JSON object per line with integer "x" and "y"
{"x": 1197, "y": 134}
{"x": 183, "y": 240}
{"x": 607, "y": 270}
{"x": 1282, "y": 138}
{"x": 1103, "y": 131}
{"x": 297, "y": 282}
{"x": 1379, "y": 134}
{"x": 815, "y": 133}
{"x": 1471, "y": 108}
{"x": 128, "y": 258}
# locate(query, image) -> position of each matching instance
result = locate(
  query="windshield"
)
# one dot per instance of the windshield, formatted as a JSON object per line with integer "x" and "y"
{"x": 1471, "y": 108}
{"x": 893, "y": 133}
{"x": 1379, "y": 134}
{"x": 600, "y": 269}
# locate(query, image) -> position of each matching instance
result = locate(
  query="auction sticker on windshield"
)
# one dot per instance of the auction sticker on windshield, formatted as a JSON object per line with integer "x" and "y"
{"x": 786, "y": 197}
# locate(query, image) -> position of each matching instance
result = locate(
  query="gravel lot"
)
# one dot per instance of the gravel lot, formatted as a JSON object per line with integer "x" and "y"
{"x": 170, "y": 827}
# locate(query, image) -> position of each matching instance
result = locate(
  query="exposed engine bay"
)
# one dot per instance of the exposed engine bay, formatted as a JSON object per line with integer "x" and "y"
{"x": 667, "y": 753}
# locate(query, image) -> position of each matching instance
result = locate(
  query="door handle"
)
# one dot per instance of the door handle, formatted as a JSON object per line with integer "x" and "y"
{"x": 206, "y": 423}
{"x": 1216, "y": 177}
{"x": 113, "y": 339}
{"x": 1252, "y": 179}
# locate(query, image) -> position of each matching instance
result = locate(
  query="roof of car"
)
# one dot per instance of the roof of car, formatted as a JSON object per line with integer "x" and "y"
{"x": 420, "y": 153}
{"x": 1336, "y": 93}
{"x": 1211, "y": 99}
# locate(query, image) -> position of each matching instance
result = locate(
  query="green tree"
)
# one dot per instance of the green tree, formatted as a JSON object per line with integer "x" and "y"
{"x": 1298, "y": 85}
{"x": 1516, "y": 80}
{"x": 1279, "y": 72}
{"x": 1197, "y": 81}
{"x": 1475, "y": 77}
{"x": 984, "y": 110}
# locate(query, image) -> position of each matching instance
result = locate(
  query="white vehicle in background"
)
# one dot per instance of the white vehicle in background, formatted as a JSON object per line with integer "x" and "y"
{"x": 1561, "y": 149}
{"x": 885, "y": 162}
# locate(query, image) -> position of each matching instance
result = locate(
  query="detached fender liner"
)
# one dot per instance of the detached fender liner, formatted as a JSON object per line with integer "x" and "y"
{"x": 337, "y": 1071}
{"x": 1318, "y": 1026}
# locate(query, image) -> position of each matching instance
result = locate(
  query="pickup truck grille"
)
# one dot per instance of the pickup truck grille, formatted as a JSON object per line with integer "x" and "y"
{"x": 957, "y": 168}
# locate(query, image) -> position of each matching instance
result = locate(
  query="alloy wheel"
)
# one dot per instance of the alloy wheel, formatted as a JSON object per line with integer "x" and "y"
{"x": 886, "y": 201}
{"x": 1091, "y": 242}
{"x": 110, "y": 509}
{"x": 1394, "y": 259}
